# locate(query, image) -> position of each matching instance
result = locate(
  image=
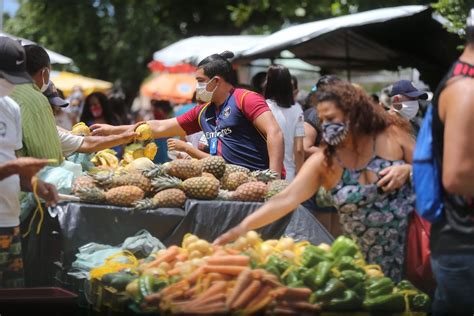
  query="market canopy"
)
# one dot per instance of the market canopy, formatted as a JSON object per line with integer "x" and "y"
{"x": 194, "y": 49}
{"x": 174, "y": 87}
{"x": 66, "y": 81}
{"x": 406, "y": 36}
{"x": 55, "y": 58}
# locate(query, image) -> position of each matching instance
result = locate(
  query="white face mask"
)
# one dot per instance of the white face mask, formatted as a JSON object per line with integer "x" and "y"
{"x": 45, "y": 85}
{"x": 6, "y": 87}
{"x": 201, "y": 92}
{"x": 409, "y": 109}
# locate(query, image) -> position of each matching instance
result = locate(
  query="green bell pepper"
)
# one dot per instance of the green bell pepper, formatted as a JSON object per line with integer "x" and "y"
{"x": 276, "y": 265}
{"x": 359, "y": 289}
{"x": 309, "y": 278}
{"x": 344, "y": 246}
{"x": 352, "y": 278}
{"x": 420, "y": 302}
{"x": 379, "y": 287}
{"x": 333, "y": 288}
{"x": 313, "y": 255}
{"x": 295, "y": 275}
{"x": 350, "y": 301}
{"x": 296, "y": 284}
{"x": 406, "y": 285}
{"x": 394, "y": 303}
{"x": 348, "y": 263}
{"x": 323, "y": 272}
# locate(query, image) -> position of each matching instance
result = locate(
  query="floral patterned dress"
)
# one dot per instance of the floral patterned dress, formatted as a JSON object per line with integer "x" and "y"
{"x": 377, "y": 220}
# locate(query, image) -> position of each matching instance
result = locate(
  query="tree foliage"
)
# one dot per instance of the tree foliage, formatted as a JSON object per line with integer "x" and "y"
{"x": 115, "y": 39}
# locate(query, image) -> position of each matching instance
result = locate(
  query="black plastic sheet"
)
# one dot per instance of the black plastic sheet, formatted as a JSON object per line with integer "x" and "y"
{"x": 83, "y": 223}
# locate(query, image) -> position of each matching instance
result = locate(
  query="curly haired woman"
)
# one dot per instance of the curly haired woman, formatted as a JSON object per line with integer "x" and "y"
{"x": 365, "y": 164}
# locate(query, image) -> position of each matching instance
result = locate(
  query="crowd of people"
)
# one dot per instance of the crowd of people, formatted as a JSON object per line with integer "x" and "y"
{"x": 340, "y": 147}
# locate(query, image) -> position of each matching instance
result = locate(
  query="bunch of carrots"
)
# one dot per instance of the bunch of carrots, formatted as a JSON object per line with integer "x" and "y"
{"x": 225, "y": 284}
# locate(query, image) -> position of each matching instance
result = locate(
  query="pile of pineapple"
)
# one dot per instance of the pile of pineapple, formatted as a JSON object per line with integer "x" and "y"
{"x": 170, "y": 184}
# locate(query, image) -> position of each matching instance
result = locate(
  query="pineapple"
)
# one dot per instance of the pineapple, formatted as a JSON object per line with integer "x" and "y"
{"x": 224, "y": 195}
{"x": 230, "y": 168}
{"x": 208, "y": 175}
{"x": 201, "y": 188}
{"x": 170, "y": 198}
{"x": 167, "y": 198}
{"x": 266, "y": 175}
{"x": 234, "y": 180}
{"x": 251, "y": 192}
{"x": 134, "y": 178}
{"x": 145, "y": 204}
{"x": 83, "y": 182}
{"x": 183, "y": 169}
{"x": 276, "y": 187}
{"x": 91, "y": 194}
{"x": 214, "y": 165}
{"x": 166, "y": 182}
{"x": 125, "y": 195}
{"x": 154, "y": 172}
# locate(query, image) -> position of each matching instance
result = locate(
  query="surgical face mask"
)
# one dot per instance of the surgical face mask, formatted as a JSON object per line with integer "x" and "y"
{"x": 409, "y": 109}
{"x": 201, "y": 91}
{"x": 5, "y": 87}
{"x": 334, "y": 133}
{"x": 45, "y": 85}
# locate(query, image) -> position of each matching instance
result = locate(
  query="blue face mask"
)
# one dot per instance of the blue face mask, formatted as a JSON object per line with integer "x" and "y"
{"x": 334, "y": 133}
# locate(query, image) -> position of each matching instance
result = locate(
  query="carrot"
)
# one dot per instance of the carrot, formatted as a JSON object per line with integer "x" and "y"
{"x": 262, "y": 299}
{"x": 216, "y": 288}
{"x": 174, "y": 271}
{"x": 215, "y": 308}
{"x": 232, "y": 270}
{"x": 182, "y": 257}
{"x": 280, "y": 310}
{"x": 258, "y": 273}
{"x": 244, "y": 298}
{"x": 231, "y": 251}
{"x": 217, "y": 277}
{"x": 231, "y": 260}
{"x": 243, "y": 280}
{"x": 169, "y": 256}
{"x": 196, "y": 274}
{"x": 271, "y": 280}
{"x": 153, "y": 298}
{"x": 292, "y": 293}
{"x": 216, "y": 298}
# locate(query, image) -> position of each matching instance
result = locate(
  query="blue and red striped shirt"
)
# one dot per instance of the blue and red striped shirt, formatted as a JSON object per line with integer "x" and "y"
{"x": 238, "y": 140}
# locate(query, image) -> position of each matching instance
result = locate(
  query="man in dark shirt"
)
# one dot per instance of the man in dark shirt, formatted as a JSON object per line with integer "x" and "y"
{"x": 452, "y": 238}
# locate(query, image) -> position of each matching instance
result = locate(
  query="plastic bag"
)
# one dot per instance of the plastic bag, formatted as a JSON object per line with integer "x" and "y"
{"x": 90, "y": 256}
{"x": 82, "y": 159}
{"x": 142, "y": 244}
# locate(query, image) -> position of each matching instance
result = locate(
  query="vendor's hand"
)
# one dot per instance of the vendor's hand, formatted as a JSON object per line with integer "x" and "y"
{"x": 27, "y": 167}
{"x": 394, "y": 177}
{"x": 230, "y": 236}
{"x": 47, "y": 192}
{"x": 102, "y": 129}
{"x": 128, "y": 136}
{"x": 176, "y": 144}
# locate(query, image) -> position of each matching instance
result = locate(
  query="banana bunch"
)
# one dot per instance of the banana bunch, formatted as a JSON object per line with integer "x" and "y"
{"x": 81, "y": 129}
{"x": 106, "y": 158}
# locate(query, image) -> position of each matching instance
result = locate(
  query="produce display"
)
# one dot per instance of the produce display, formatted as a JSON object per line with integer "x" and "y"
{"x": 143, "y": 184}
{"x": 252, "y": 276}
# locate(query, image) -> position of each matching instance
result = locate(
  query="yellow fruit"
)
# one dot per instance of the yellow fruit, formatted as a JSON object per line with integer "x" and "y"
{"x": 144, "y": 132}
{"x": 81, "y": 129}
{"x": 139, "y": 153}
{"x": 286, "y": 243}
{"x": 150, "y": 151}
{"x": 139, "y": 164}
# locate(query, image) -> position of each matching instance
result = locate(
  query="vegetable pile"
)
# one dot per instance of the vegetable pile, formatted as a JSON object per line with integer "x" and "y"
{"x": 274, "y": 276}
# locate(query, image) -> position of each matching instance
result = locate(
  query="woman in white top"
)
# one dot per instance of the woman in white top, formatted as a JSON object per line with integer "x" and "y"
{"x": 279, "y": 94}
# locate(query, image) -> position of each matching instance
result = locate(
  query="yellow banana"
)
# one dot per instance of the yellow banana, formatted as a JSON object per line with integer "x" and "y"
{"x": 103, "y": 161}
{"x": 127, "y": 157}
{"x": 112, "y": 161}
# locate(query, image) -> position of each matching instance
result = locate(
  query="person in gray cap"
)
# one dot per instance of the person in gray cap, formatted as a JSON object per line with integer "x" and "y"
{"x": 71, "y": 144}
{"x": 16, "y": 174}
